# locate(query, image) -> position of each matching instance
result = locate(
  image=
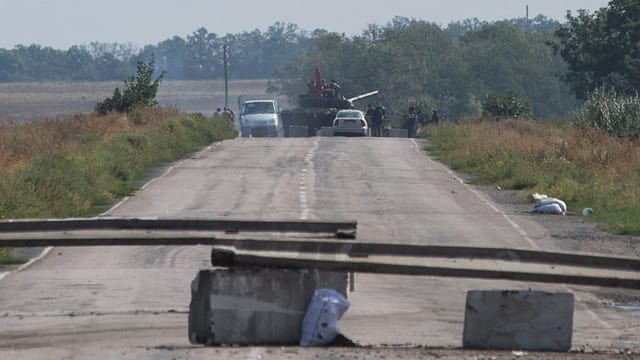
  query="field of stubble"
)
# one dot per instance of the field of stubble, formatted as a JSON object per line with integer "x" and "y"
{"x": 32, "y": 101}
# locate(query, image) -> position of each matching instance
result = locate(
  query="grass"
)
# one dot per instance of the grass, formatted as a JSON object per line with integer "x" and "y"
{"x": 75, "y": 166}
{"x": 583, "y": 166}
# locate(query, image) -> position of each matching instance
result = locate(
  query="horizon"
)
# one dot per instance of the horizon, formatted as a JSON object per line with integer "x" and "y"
{"x": 56, "y": 24}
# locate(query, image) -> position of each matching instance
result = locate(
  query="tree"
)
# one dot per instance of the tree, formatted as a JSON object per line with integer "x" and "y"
{"x": 602, "y": 49}
{"x": 140, "y": 90}
{"x": 502, "y": 58}
{"x": 509, "y": 105}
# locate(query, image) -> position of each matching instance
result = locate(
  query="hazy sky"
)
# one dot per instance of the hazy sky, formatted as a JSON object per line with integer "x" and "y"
{"x": 63, "y": 23}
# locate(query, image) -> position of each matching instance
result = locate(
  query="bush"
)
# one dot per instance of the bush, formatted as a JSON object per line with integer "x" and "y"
{"x": 140, "y": 91}
{"x": 618, "y": 115}
{"x": 506, "y": 106}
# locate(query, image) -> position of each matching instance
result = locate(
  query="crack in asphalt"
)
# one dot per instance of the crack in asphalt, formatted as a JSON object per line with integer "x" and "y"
{"x": 92, "y": 313}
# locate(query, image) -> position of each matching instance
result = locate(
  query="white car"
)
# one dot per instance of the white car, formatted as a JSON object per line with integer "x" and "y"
{"x": 350, "y": 123}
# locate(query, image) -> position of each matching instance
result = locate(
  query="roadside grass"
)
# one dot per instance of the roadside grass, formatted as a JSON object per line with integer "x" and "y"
{"x": 581, "y": 165}
{"x": 7, "y": 257}
{"x": 76, "y": 166}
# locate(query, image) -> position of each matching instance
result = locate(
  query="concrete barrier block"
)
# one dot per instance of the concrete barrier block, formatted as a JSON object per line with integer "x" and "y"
{"x": 254, "y": 306}
{"x": 518, "y": 320}
{"x": 298, "y": 131}
{"x": 398, "y": 133}
{"x": 326, "y": 131}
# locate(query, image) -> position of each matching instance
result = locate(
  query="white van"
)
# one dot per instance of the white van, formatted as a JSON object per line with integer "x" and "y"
{"x": 259, "y": 118}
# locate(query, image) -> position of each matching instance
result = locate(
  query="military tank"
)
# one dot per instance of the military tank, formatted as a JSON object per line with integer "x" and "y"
{"x": 316, "y": 109}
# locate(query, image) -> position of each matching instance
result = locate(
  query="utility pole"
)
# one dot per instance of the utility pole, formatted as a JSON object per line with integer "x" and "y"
{"x": 226, "y": 78}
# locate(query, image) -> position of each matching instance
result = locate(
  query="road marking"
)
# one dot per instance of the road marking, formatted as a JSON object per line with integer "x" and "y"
{"x": 308, "y": 163}
{"x": 37, "y": 258}
{"x": 513, "y": 224}
{"x": 114, "y": 207}
{"x": 521, "y": 231}
{"x": 28, "y": 263}
{"x": 151, "y": 181}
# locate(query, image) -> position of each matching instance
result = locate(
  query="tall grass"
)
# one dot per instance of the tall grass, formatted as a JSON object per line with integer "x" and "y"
{"x": 582, "y": 165}
{"x": 72, "y": 167}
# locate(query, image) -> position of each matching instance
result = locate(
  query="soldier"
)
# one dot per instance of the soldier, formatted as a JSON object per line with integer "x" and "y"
{"x": 217, "y": 113}
{"x": 369, "y": 114}
{"x": 434, "y": 117}
{"x": 229, "y": 115}
{"x": 311, "y": 85}
{"x": 377, "y": 118}
{"x": 333, "y": 85}
{"x": 411, "y": 122}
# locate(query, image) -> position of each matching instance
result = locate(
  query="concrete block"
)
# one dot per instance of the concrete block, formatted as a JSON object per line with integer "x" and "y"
{"x": 254, "y": 306}
{"x": 298, "y": 131}
{"x": 518, "y": 320}
{"x": 325, "y": 131}
{"x": 397, "y": 133}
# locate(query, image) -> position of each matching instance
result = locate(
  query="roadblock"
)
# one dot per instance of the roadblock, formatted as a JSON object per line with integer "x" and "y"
{"x": 265, "y": 273}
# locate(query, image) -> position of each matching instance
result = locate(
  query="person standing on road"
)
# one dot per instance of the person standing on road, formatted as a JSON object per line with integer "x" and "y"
{"x": 229, "y": 115}
{"x": 368, "y": 115}
{"x": 377, "y": 118}
{"x": 411, "y": 122}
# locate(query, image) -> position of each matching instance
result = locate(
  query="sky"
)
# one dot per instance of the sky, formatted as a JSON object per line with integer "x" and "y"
{"x": 63, "y": 23}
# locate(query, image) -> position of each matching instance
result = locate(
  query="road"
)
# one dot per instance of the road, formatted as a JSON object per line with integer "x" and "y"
{"x": 132, "y": 302}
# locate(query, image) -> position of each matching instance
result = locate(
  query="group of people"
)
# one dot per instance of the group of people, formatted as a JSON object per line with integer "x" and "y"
{"x": 323, "y": 89}
{"x": 227, "y": 113}
{"x": 410, "y": 120}
{"x": 413, "y": 123}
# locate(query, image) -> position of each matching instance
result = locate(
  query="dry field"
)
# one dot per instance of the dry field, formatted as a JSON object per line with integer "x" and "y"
{"x": 30, "y": 101}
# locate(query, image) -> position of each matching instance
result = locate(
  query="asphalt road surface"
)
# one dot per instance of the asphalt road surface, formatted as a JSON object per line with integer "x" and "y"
{"x": 132, "y": 302}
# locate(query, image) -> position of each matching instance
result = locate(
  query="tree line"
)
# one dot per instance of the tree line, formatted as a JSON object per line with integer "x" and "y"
{"x": 198, "y": 56}
{"x": 550, "y": 66}
{"x": 453, "y": 69}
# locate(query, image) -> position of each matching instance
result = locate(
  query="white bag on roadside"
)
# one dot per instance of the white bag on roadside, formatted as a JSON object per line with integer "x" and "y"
{"x": 320, "y": 324}
{"x": 549, "y": 205}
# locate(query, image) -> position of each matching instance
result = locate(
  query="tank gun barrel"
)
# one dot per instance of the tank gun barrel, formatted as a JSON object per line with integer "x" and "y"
{"x": 363, "y": 96}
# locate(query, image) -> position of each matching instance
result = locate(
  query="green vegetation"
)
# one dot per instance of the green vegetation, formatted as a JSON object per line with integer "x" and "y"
{"x": 582, "y": 165}
{"x": 617, "y": 114}
{"x": 506, "y": 106}
{"x": 454, "y": 71}
{"x": 102, "y": 159}
{"x": 139, "y": 91}
{"x": 602, "y": 49}
{"x": 7, "y": 257}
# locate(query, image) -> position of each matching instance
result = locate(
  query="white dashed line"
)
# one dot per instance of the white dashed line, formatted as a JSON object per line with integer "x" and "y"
{"x": 308, "y": 162}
